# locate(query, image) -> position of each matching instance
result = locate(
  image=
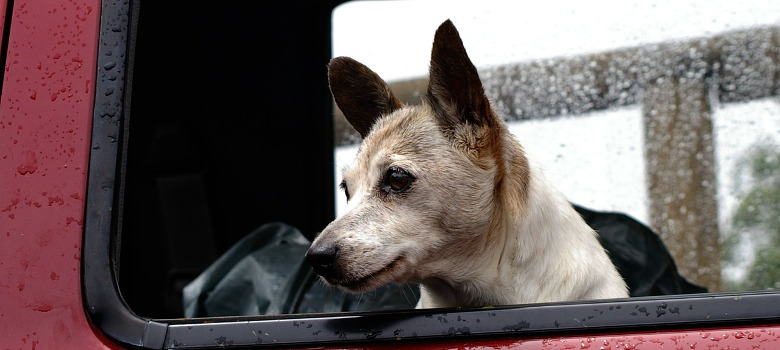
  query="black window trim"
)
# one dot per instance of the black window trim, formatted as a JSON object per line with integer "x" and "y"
{"x": 636, "y": 314}
{"x": 110, "y": 314}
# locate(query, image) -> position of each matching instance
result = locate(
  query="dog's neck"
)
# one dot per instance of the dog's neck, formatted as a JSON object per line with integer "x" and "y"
{"x": 473, "y": 287}
{"x": 544, "y": 255}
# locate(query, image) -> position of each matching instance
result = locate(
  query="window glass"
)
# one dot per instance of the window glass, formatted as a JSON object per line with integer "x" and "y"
{"x": 666, "y": 110}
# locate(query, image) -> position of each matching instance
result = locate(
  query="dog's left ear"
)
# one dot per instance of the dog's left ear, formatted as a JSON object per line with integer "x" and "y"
{"x": 360, "y": 93}
{"x": 454, "y": 90}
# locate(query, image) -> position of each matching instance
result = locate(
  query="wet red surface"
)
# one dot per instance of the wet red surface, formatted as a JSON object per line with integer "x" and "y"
{"x": 45, "y": 120}
{"x": 709, "y": 339}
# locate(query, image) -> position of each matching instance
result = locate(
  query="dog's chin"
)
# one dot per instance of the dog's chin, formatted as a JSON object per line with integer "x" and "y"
{"x": 391, "y": 272}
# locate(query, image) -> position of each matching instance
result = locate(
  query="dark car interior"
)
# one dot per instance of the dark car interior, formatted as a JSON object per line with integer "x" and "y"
{"x": 230, "y": 107}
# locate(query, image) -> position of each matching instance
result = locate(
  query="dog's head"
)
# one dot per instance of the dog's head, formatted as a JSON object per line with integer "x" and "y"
{"x": 424, "y": 191}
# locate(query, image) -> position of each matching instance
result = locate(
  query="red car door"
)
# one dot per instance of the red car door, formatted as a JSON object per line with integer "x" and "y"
{"x": 45, "y": 125}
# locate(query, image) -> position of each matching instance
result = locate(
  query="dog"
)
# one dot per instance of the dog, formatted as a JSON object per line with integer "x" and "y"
{"x": 443, "y": 195}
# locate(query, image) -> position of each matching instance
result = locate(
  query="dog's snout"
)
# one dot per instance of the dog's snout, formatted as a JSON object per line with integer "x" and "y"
{"x": 322, "y": 257}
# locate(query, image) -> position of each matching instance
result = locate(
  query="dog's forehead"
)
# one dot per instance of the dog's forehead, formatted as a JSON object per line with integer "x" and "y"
{"x": 409, "y": 127}
{"x": 402, "y": 136}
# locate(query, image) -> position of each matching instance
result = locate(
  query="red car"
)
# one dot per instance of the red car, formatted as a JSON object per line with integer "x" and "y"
{"x": 135, "y": 147}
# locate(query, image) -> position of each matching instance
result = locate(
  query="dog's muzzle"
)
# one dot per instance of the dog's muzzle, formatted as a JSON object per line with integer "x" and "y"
{"x": 322, "y": 258}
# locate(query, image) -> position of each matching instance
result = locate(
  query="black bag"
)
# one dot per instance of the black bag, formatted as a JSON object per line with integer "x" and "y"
{"x": 265, "y": 274}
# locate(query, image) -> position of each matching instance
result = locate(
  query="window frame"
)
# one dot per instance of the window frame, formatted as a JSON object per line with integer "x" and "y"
{"x": 111, "y": 315}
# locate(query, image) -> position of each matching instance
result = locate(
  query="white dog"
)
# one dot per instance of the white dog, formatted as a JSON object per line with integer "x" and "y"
{"x": 442, "y": 194}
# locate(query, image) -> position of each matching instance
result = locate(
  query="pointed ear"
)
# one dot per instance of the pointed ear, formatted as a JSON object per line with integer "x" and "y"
{"x": 360, "y": 93}
{"x": 454, "y": 90}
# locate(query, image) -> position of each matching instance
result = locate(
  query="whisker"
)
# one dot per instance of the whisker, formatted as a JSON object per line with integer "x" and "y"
{"x": 360, "y": 298}
{"x": 406, "y": 296}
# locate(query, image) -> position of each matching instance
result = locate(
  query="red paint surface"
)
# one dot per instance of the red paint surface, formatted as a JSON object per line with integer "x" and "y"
{"x": 45, "y": 121}
{"x": 746, "y": 338}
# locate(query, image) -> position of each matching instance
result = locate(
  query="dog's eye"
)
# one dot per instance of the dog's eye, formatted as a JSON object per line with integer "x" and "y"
{"x": 397, "y": 180}
{"x": 343, "y": 186}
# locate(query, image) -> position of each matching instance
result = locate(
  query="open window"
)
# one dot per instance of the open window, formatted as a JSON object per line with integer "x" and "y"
{"x": 211, "y": 121}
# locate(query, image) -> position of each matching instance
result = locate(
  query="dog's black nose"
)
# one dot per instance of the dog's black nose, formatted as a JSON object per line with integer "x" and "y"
{"x": 322, "y": 257}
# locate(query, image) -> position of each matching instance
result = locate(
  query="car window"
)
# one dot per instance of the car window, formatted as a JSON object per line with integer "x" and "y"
{"x": 217, "y": 154}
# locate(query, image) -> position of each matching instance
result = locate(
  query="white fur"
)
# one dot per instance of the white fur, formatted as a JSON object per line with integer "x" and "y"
{"x": 542, "y": 260}
{"x": 477, "y": 225}
{"x": 545, "y": 254}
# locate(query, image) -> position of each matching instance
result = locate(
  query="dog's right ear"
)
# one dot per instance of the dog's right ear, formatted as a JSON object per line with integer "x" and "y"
{"x": 455, "y": 91}
{"x": 360, "y": 93}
